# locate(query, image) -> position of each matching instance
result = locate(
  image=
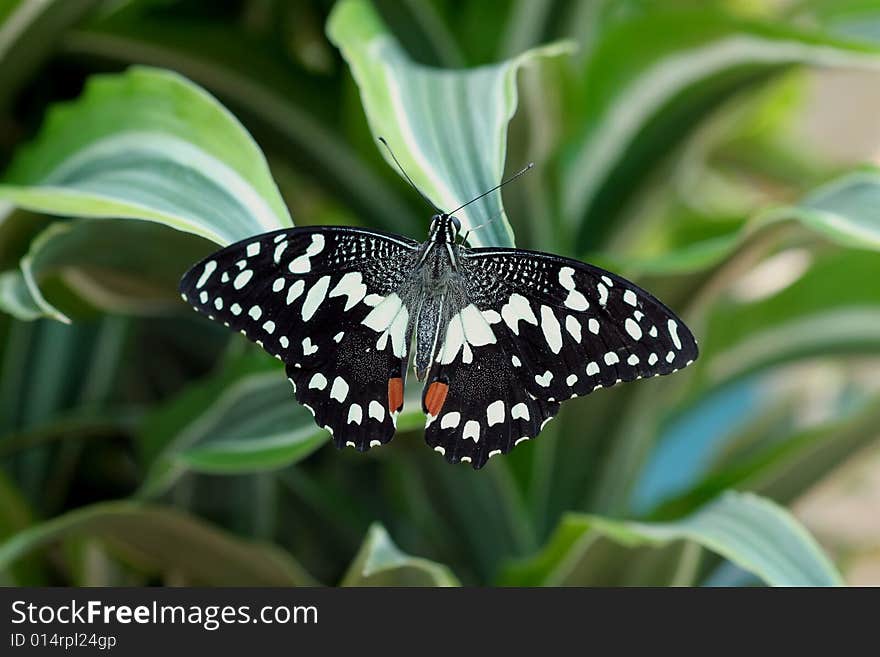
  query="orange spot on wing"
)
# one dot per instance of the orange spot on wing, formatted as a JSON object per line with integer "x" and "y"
{"x": 435, "y": 397}
{"x": 395, "y": 394}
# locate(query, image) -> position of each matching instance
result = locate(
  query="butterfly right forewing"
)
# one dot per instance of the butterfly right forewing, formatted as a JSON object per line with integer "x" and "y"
{"x": 535, "y": 330}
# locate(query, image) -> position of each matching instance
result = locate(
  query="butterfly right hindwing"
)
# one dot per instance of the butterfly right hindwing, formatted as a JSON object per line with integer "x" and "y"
{"x": 323, "y": 301}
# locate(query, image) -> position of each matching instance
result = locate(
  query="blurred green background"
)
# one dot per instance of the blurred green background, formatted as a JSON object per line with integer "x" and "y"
{"x": 722, "y": 154}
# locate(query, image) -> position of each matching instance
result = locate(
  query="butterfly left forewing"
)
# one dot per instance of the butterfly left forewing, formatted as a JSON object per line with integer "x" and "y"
{"x": 323, "y": 301}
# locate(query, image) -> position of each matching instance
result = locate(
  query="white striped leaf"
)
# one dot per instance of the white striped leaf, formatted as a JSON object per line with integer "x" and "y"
{"x": 381, "y": 563}
{"x": 448, "y": 128}
{"x": 148, "y": 144}
{"x": 242, "y": 421}
{"x": 115, "y": 265}
{"x": 637, "y": 102}
{"x": 163, "y": 540}
{"x": 751, "y": 532}
{"x": 842, "y": 211}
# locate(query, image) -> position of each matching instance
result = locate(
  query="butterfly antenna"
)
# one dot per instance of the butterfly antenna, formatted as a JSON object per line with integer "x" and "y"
{"x": 482, "y": 225}
{"x": 408, "y": 179}
{"x": 498, "y": 186}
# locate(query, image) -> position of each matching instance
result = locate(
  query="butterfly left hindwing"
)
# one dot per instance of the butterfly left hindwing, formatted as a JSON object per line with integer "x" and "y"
{"x": 323, "y": 301}
{"x": 536, "y": 330}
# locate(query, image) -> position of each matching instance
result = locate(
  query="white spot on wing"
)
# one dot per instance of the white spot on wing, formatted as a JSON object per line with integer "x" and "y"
{"x": 476, "y": 329}
{"x": 550, "y": 328}
{"x": 491, "y": 316}
{"x": 381, "y": 316}
{"x": 352, "y": 287}
{"x": 450, "y": 420}
{"x": 672, "y": 325}
{"x": 630, "y": 297}
{"x": 315, "y": 297}
{"x": 566, "y": 278}
{"x": 253, "y": 249}
{"x": 397, "y": 330}
{"x": 339, "y": 389}
{"x": 576, "y": 301}
{"x": 377, "y": 411}
{"x": 276, "y": 255}
{"x": 574, "y": 328}
{"x": 520, "y": 412}
{"x": 318, "y": 381}
{"x": 355, "y": 414}
{"x": 632, "y": 327}
{"x": 611, "y": 358}
{"x": 242, "y": 279}
{"x": 495, "y": 413}
{"x": 295, "y": 291}
{"x": 210, "y": 266}
{"x": 517, "y": 308}
{"x": 472, "y": 431}
{"x": 302, "y": 264}
{"x": 544, "y": 379}
{"x": 373, "y": 300}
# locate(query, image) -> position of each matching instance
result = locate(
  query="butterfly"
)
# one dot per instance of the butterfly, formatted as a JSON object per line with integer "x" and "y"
{"x": 500, "y": 336}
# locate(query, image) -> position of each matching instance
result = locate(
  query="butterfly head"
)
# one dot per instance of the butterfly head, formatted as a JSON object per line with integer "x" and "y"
{"x": 444, "y": 228}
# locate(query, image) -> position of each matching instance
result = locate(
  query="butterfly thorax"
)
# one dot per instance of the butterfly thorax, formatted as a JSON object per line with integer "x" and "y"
{"x": 437, "y": 291}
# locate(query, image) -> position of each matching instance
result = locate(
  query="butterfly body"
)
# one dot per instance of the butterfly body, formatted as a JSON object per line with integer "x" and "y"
{"x": 501, "y": 336}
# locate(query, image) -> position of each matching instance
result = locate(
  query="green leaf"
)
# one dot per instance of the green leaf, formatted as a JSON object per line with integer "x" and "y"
{"x": 636, "y": 103}
{"x": 16, "y": 298}
{"x": 140, "y": 278}
{"x": 841, "y": 211}
{"x": 166, "y": 541}
{"x": 264, "y": 74}
{"x": 751, "y": 532}
{"x": 447, "y": 127}
{"x": 29, "y": 33}
{"x": 148, "y": 144}
{"x": 381, "y": 563}
{"x": 830, "y": 309}
{"x": 15, "y": 516}
{"x": 784, "y": 468}
{"x": 242, "y": 420}
{"x": 844, "y": 210}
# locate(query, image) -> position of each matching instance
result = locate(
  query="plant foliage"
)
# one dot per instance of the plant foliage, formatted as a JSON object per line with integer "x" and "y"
{"x": 146, "y": 133}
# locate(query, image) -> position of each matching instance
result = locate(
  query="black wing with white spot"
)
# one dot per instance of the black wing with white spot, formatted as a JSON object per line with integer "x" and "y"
{"x": 536, "y": 330}
{"x": 323, "y": 301}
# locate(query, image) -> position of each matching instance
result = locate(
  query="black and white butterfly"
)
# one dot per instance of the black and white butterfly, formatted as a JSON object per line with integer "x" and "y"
{"x": 501, "y": 336}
